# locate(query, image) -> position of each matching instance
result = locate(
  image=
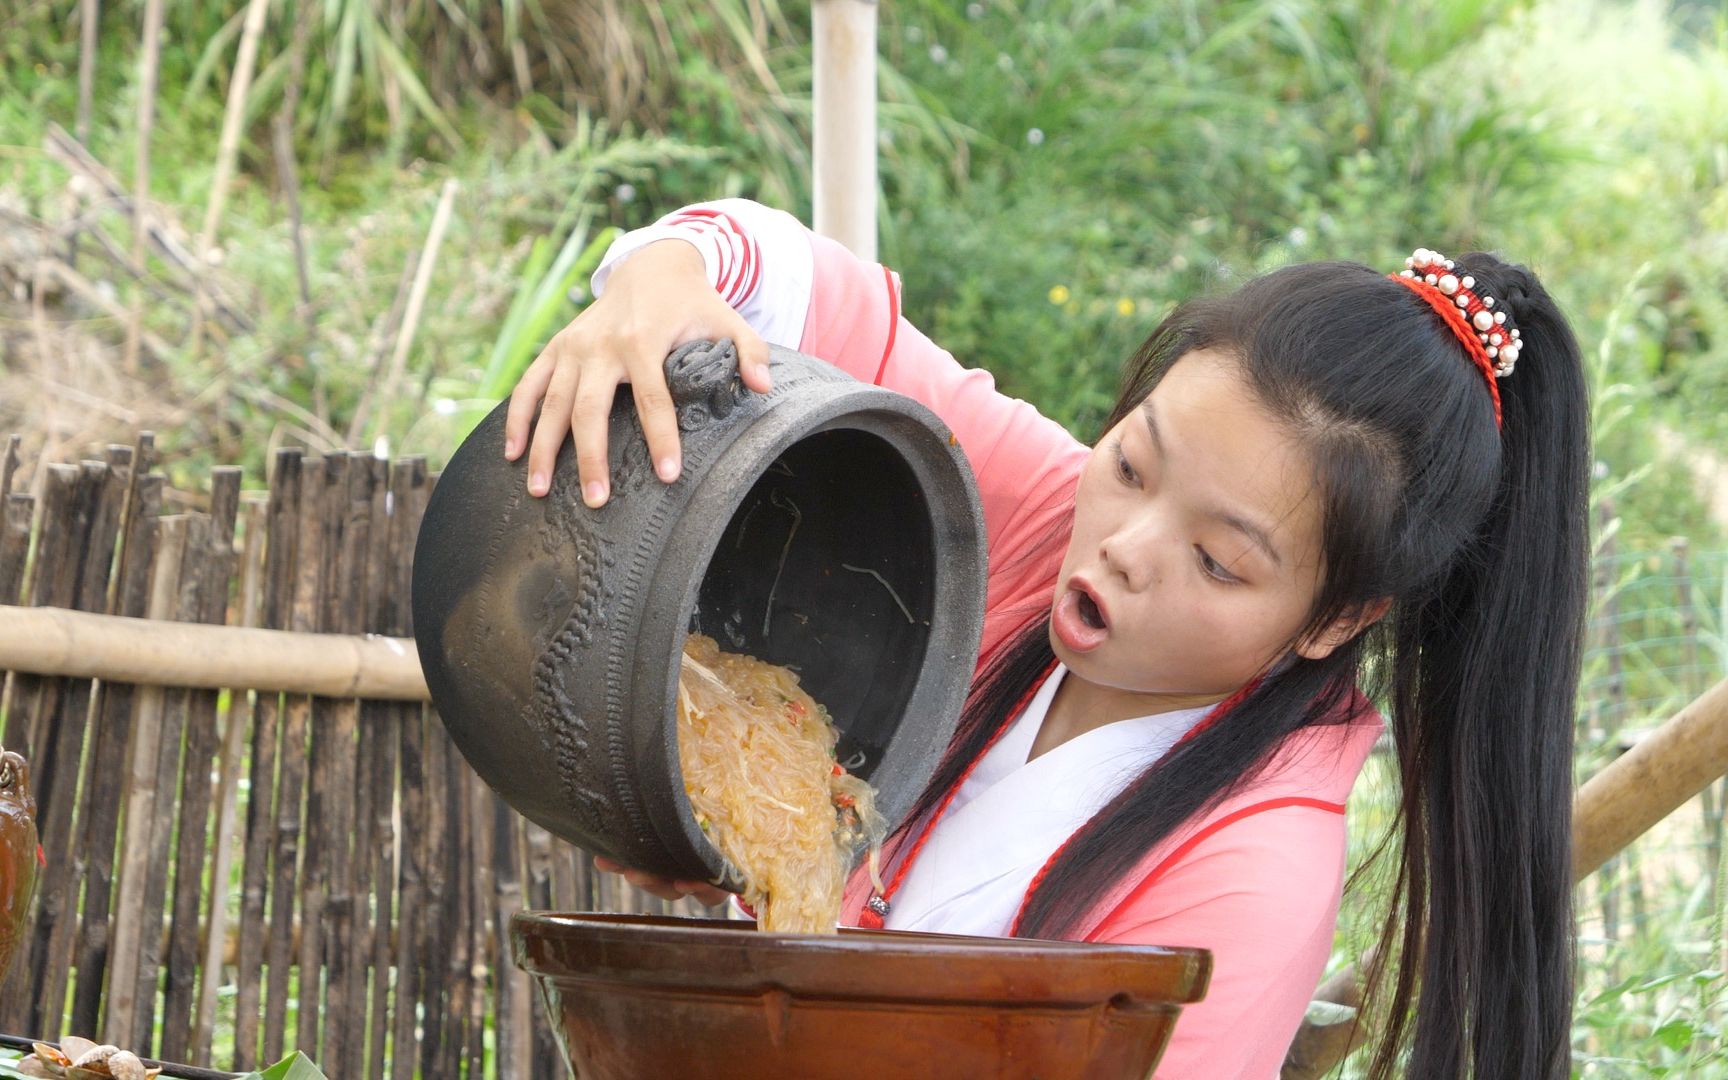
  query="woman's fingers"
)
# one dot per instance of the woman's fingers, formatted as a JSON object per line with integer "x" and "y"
{"x": 525, "y": 399}
{"x": 653, "y": 885}
{"x": 550, "y": 430}
{"x": 752, "y": 358}
{"x": 624, "y": 336}
{"x": 659, "y": 417}
{"x": 664, "y": 888}
{"x": 589, "y": 416}
{"x": 702, "y": 892}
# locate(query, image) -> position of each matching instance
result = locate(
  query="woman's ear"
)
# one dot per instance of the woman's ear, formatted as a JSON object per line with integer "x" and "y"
{"x": 1321, "y": 643}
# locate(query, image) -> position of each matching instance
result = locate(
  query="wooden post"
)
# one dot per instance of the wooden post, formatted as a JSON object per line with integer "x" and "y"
{"x": 387, "y": 592}
{"x": 844, "y": 33}
{"x": 160, "y": 771}
{"x": 208, "y": 603}
{"x": 134, "y": 921}
{"x": 236, "y": 725}
{"x": 80, "y": 513}
{"x": 281, "y": 548}
{"x": 302, "y": 614}
{"x": 112, "y": 737}
{"x": 409, "y": 492}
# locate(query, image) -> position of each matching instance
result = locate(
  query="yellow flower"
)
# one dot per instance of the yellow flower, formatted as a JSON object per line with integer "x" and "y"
{"x": 1124, "y": 307}
{"x": 1059, "y": 294}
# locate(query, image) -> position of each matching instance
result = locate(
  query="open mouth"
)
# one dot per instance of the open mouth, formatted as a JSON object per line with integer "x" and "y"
{"x": 1078, "y": 621}
{"x": 1087, "y": 609}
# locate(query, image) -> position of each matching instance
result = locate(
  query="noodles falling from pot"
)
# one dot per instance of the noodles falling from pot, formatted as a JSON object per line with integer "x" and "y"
{"x": 759, "y": 768}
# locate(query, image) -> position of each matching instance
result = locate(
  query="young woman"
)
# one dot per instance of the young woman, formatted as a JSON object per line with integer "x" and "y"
{"x": 1327, "y": 488}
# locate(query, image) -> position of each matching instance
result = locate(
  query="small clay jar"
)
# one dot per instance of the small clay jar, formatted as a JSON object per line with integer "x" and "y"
{"x": 19, "y": 853}
{"x": 830, "y": 526}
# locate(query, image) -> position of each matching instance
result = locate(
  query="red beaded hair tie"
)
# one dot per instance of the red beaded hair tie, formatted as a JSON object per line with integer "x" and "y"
{"x": 1492, "y": 342}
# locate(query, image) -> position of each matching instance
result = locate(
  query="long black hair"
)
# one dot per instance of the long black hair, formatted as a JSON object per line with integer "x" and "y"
{"x": 1479, "y": 538}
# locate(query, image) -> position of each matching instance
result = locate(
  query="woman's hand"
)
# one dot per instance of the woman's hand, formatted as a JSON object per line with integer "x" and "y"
{"x": 665, "y": 888}
{"x": 655, "y": 301}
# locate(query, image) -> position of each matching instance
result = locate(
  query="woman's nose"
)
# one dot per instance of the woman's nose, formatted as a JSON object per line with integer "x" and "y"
{"x": 1134, "y": 551}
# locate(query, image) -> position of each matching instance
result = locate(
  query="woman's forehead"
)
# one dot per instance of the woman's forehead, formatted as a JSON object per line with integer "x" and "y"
{"x": 1233, "y": 460}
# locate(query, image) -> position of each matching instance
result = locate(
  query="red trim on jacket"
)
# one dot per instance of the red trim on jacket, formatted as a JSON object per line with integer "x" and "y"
{"x": 1210, "y": 829}
{"x": 893, "y": 323}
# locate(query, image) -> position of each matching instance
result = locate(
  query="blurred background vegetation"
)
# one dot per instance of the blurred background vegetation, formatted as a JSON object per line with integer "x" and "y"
{"x": 419, "y": 187}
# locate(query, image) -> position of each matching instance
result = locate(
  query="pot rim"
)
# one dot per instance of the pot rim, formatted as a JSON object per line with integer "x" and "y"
{"x": 841, "y": 405}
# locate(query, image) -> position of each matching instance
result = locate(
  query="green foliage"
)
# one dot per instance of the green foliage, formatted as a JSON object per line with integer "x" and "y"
{"x": 295, "y": 1066}
{"x": 1147, "y": 152}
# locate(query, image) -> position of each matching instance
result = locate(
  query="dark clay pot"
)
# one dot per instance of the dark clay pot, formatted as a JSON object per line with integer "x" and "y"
{"x": 635, "y": 996}
{"x": 831, "y": 526}
{"x": 19, "y": 853}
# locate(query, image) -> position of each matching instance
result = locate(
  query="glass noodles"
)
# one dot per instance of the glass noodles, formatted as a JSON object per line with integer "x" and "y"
{"x": 759, "y": 768}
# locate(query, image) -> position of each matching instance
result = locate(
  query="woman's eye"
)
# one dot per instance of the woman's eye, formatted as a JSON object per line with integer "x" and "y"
{"x": 1215, "y": 569}
{"x": 1124, "y": 470}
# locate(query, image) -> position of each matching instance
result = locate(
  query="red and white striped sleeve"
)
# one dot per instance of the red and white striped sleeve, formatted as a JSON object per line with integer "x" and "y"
{"x": 757, "y": 258}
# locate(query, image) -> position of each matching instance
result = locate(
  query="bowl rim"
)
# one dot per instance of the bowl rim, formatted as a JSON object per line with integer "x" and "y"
{"x": 663, "y": 950}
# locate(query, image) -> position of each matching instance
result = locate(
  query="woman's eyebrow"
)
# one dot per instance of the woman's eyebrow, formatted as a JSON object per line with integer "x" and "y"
{"x": 1151, "y": 419}
{"x": 1260, "y": 537}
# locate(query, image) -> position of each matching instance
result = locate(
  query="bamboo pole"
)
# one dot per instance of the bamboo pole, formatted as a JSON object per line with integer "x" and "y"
{"x": 428, "y": 261}
{"x": 210, "y": 591}
{"x": 324, "y": 521}
{"x": 1616, "y": 806}
{"x": 228, "y": 149}
{"x": 236, "y": 725}
{"x": 99, "y": 823}
{"x": 80, "y": 513}
{"x": 89, "y": 15}
{"x": 149, "y": 67}
{"x": 281, "y": 553}
{"x": 300, "y": 588}
{"x": 113, "y": 648}
{"x": 228, "y": 145}
{"x": 1651, "y": 780}
{"x": 844, "y": 101}
{"x": 130, "y": 909}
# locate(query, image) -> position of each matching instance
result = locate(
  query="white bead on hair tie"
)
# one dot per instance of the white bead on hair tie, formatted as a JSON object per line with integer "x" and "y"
{"x": 1490, "y": 335}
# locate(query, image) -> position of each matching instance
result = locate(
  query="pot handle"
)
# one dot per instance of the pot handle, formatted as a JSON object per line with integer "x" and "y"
{"x": 14, "y": 772}
{"x": 703, "y": 379}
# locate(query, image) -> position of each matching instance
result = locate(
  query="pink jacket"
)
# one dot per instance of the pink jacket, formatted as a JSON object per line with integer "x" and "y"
{"x": 1258, "y": 879}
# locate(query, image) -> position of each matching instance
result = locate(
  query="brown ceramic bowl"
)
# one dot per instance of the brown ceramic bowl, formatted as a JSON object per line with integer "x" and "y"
{"x": 636, "y": 996}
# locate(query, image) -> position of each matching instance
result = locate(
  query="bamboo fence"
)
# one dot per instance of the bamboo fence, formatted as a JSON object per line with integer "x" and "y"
{"x": 234, "y": 873}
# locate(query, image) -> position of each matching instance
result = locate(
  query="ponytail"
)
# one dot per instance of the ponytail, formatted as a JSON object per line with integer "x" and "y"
{"x": 1483, "y": 725}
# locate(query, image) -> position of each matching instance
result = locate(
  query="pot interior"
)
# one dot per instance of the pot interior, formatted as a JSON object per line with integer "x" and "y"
{"x": 828, "y": 566}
